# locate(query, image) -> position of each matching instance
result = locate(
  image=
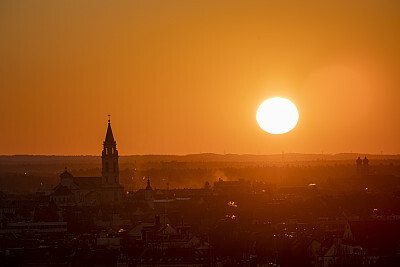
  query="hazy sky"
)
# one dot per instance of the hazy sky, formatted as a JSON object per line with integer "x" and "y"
{"x": 188, "y": 76}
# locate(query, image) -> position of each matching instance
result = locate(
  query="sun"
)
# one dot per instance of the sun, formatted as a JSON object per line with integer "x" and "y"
{"x": 277, "y": 115}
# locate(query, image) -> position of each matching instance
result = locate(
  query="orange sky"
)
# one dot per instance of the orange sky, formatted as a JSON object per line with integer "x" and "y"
{"x": 188, "y": 76}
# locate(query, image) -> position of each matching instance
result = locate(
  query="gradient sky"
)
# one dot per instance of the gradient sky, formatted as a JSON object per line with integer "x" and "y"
{"x": 188, "y": 76}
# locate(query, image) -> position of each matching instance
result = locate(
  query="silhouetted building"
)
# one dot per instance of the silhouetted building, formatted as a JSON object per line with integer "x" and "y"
{"x": 111, "y": 189}
{"x": 176, "y": 257}
{"x": 359, "y": 165}
{"x": 232, "y": 187}
{"x": 362, "y": 165}
{"x": 148, "y": 193}
{"x": 93, "y": 190}
{"x": 365, "y": 165}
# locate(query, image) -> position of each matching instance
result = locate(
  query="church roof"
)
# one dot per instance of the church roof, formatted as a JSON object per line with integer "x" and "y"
{"x": 66, "y": 174}
{"x": 87, "y": 182}
{"x": 109, "y": 135}
{"x": 62, "y": 191}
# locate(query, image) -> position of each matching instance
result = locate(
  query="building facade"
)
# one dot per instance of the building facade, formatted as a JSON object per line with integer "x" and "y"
{"x": 93, "y": 190}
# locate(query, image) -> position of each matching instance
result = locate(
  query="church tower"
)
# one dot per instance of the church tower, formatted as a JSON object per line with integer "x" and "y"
{"x": 110, "y": 171}
{"x": 148, "y": 193}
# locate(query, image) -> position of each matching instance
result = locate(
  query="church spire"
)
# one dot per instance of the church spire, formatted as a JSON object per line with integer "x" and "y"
{"x": 148, "y": 187}
{"x": 110, "y": 171}
{"x": 109, "y": 135}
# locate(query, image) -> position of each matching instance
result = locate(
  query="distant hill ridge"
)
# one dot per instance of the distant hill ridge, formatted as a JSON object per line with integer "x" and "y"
{"x": 204, "y": 157}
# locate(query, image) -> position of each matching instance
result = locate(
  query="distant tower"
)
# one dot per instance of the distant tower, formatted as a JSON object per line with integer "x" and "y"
{"x": 359, "y": 165}
{"x": 148, "y": 193}
{"x": 110, "y": 171}
{"x": 365, "y": 165}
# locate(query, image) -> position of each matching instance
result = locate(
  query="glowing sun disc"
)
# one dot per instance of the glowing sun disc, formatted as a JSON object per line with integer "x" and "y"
{"x": 277, "y": 115}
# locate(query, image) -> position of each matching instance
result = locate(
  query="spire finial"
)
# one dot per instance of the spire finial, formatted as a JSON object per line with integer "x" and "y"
{"x": 148, "y": 187}
{"x": 109, "y": 118}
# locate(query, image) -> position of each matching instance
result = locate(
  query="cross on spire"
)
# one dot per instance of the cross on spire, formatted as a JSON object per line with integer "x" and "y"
{"x": 109, "y": 118}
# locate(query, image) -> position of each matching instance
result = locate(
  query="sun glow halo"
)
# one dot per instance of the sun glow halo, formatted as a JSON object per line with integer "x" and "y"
{"x": 277, "y": 115}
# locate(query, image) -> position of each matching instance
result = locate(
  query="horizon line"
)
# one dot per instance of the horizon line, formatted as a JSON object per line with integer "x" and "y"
{"x": 207, "y": 153}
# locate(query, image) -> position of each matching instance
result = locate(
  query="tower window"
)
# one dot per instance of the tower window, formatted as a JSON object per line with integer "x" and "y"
{"x": 115, "y": 167}
{"x": 106, "y": 165}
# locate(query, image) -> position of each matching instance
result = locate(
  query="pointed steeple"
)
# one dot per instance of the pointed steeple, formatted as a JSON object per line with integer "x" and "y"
{"x": 110, "y": 171}
{"x": 148, "y": 193}
{"x": 148, "y": 187}
{"x": 109, "y": 135}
